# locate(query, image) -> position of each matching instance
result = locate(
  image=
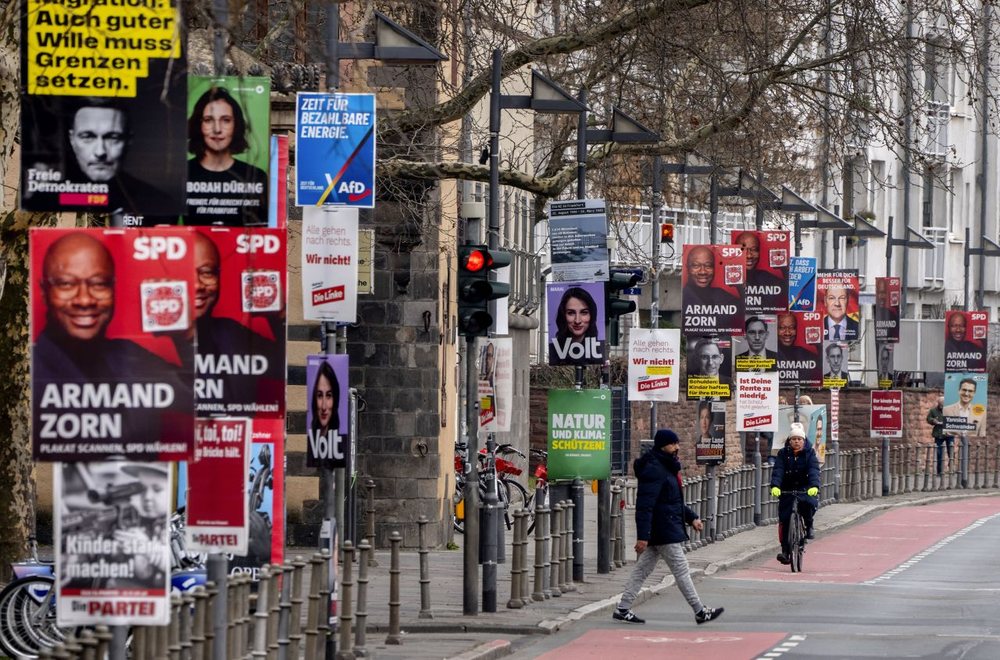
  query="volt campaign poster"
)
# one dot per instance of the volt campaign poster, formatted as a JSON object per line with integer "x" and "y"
{"x": 330, "y": 264}
{"x": 228, "y": 143}
{"x": 712, "y": 289}
{"x": 496, "y": 382}
{"x": 887, "y": 296}
{"x": 767, "y": 254}
{"x": 800, "y": 347}
{"x": 579, "y": 434}
{"x": 327, "y": 419}
{"x": 104, "y": 88}
{"x": 837, "y": 292}
{"x": 654, "y": 359}
{"x": 709, "y": 367}
{"x": 965, "y": 400}
{"x": 112, "y": 540}
{"x": 112, "y": 348}
{"x": 335, "y": 149}
{"x": 710, "y": 433}
{"x": 576, "y": 323}
{"x": 217, "y": 512}
{"x": 578, "y": 240}
{"x": 802, "y": 284}
{"x": 756, "y": 401}
{"x": 965, "y": 336}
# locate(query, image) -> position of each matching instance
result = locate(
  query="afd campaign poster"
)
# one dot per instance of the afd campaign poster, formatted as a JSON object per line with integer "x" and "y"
{"x": 756, "y": 401}
{"x": 217, "y": 512}
{"x": 576, "y": 323}
{"x": 800, "y": 344}
{"x": 965, "y": 400}
{"x": 887, "y": 296}
{"x": 767, "y": 254}
{"x": 112, "y": 543}
{"x": 102, "y": 107}
{"x": 654, "y": 360}
{"x": 112, "y": 346}
{"x": 330, "y": 264}
{"x": 802, "y": 284}
{"x": 579, "y": 434}
{"x": 837, "y": 292}
{"x": 228, "y": 143}
{"x": 327, "y": 419}
{"x": 712, "y": 289}
{"x": 965, "y": 336}
{"x": 710, "y": 433}
{"x": 578, "y": 240}
{"x": 709, "y": 367}
{"x": 334, "y": 149}
{"x": 495, "y": 382}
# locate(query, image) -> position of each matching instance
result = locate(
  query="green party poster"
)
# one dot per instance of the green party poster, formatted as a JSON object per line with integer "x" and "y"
{"x": 579, "y": 435}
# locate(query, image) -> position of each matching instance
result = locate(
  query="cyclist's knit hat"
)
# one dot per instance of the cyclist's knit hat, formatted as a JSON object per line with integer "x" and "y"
{"x": 665, "y": 437}
{"x": 797, "y": 431}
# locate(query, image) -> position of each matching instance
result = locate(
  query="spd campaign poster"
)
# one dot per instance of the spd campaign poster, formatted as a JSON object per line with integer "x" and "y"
{"x": 330, "y": 264}
{"x": 217, "y": 513}
{"x": 579, "y": 434}
{"x": 228, "y": 144}
{"x": 112, "y": 541}
{"x": 965, "y": 336}
{"x": 334, "y": 149}
{"x": 327, "y": 418}
{"x": 837, "y": 292}
{"x": 112, "y": 347}
{"x": 496, "y": 382}
{"x": 102, "y": 107}
{"x": 965, "y": 399}
{"x": 654, "y": 359}
{"x": 886, "y": 414}
{"x": 710, "y": 433}
{"x": 712, "y": 289}
{"x": 767, "y": 254}
{"x": 756, "y": 401}
{"x": 576, "y": 323}
{"x": 802, "y": 284}
{"x": 800, "y": 345}
{"x": 709, "y": 367}
{"x": 578, "y": 240}
{"x": 887, "y": 294}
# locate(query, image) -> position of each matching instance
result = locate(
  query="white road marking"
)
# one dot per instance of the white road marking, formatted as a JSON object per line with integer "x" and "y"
{"x": 790, "y": 643}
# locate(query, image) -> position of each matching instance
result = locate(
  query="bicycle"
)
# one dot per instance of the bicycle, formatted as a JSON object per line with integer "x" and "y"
{"x": 541, "y": 486}
{"x": 796, "y": 532}
{"x": 509, "y": 492}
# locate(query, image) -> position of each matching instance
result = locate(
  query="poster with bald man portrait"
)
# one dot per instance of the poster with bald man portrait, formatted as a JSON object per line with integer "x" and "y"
{"x": 712, "y": 290}
{"x": 767, "y": 255}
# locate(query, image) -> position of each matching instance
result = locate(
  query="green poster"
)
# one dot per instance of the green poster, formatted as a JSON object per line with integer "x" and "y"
{"x": 579, "y": 434}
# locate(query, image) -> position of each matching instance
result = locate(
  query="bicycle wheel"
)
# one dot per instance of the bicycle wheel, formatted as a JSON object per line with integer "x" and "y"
{"x": 796, "y": 540}
{"x": 517, "y": 497}
{"x": 28, "y": 617}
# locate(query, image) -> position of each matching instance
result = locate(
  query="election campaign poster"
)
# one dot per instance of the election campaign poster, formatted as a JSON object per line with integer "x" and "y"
{"x": 756, "y": 401}
{"x": 767, "y": 254}
{"x": 217, "y": 513}
{"x": 709, "y": 367}
{"x": 496, "y": 382}
{"x": 265, "y": 499}
{"x": 112, "y": 542}
{"x": 111, "y": 344}
{"x": 886, "y": 414}
{"x": 800, "y": 344}
{"x": 277, "y": 198}
{"x": 335, "y": 149}
{"x": 228, "y": 144}
{"x": 327, "y": 418}
{"x": 837, "y": 294}
{"x": 710, "y": 432}
{"x": 965, "y": 341}
{"x": 884, "y": 352}
{"x": 813, "y": 418}
{"x": 712, "y": 289}
{"x": 654, "y": 361}
{"x": 578, "y": 240}
{"x": 576, "y": 323}
{"x": 330, "y": 264}
{"x": 579, "y": 434}
{"x": 802, "y": 284}
{"x": 887, "y": 295}
{"x": 366, "y": 261}
{"x": 102, "y": 107}
{"x": 757, "y": 349}
{"x": 835, "y": 374}
{"x": 965, "y": 399}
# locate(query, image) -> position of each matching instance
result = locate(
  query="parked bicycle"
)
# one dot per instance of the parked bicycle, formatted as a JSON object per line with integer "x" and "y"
{"x": 509, "y": 491}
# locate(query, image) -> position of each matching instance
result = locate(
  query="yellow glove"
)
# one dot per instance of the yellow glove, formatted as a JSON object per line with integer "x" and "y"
{"x": 812, "y": 492}
{"x": 775, "y": 491}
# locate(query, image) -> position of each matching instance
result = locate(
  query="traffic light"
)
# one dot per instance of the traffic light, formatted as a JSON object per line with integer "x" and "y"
{"x": 475, "y": 290}
{"x": 667, "y": 233}
{"x": 615, "y": 306}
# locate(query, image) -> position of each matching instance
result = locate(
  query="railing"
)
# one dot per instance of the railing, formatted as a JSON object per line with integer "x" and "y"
{"x": 936, "y": 139}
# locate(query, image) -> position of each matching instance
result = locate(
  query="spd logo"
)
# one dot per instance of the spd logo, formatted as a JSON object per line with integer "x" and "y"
{"x": 152, "y": 248}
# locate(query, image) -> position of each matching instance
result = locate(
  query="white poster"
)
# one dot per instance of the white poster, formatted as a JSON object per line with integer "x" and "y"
{"x": 330, "y": 264}
{"x": 756, "y": 401}
{"x": 578, "y": 239}
{"x": 112, "y": 539}
{"x": 496, "y": 382}
{"x": 654, "y": 365}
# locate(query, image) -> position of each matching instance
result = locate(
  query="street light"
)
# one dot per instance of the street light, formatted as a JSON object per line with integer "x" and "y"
{"x": 914, "y": 240}
{"x": 861, "y": 229}
{"x": 792, "y": 202}
{"x": 991, "y": 249}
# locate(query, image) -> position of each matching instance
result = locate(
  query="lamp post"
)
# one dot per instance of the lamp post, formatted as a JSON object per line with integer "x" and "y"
{"x": 989, "y": 249}
{"x": 861, "y": 229}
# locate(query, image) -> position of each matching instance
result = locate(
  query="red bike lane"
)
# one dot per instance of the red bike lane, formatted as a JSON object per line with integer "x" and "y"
{"x": 644, "y": 642}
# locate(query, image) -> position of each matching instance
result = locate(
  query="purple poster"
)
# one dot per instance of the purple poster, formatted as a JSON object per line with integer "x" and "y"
{"x": 576, "y": 323}
{"x": 327, "y": 421}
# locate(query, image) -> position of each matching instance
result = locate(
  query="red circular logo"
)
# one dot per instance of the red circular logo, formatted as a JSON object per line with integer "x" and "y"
{"x": 164, "y": 305}
{"x": 261, "y": 289}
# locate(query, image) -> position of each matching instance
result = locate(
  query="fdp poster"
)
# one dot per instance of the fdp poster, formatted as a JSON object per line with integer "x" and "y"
{"x": 709, "y": 367}
{"x": 756, "y": 401}
{"x": 654, "y": 365}
{"x": 335, "y": 149}
{"x": 712, "y": 286}
{"x": 800, "y": 344}
{"x": 802, "y": 284}
{"x": 837, "y": 292}
{"x": 887, "y": 295}
{"x": 578, "y": 240}
{"x": 767, "y": 254}
{"x": 576, "y": 323}
{"x": 710, "y": 433}
{"x": 495, "y": 382}
{"x": 217, "y": 509}
{"x": 579, "y": 434}
{"x": 330, "y": 264}
{"x": 112, "y": 348}
{"x": 965, "y": 399}
{"x": 102, "y": 112}
{"x": 327, "y": 417}
{"x": 965, "y": 341}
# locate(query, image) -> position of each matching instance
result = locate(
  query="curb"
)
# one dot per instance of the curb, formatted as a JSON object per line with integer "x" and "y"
{"x": 498, "y": 648}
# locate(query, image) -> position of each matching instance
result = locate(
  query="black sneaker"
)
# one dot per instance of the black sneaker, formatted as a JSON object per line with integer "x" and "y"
{"x": 628, "y": 616}
{"x": 810, "y": 536}
{"x": 783, "y": 559}
{"x": 708, "y": 614}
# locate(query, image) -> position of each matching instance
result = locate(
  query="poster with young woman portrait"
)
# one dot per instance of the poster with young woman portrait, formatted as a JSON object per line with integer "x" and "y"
{"x": 327, "y": 422}
{"x": 576, "y": 323}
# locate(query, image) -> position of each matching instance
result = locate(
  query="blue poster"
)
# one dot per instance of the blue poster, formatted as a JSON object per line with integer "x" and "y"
{"x": 335, "y": 149}
{"x": 802, "y": 284}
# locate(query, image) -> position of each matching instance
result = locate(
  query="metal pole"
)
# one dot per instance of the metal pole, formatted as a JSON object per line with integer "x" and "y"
{"x": 332, "y": 36}
{"x": 581, "y": 148}
{"x": 907, "y": 157}
{"x": 577, "y": 496}
{"x": 888, "y": 253}
{"x": 654, "y": 291}
{"x": 119, "y": 638}
{"x": 757, "y": 481}
{"x": 220, "y": 9}
{"x": 963, "y": 460}
{"x": 470, "y": 552}
{"x": 798, "y": 233}
{"x": 965, "y": 280}
{"x": 217, "y": 571}
{"x": 984, "y": 156}
{"x": 885, "y": 465}
{"x": 713, "y": 501}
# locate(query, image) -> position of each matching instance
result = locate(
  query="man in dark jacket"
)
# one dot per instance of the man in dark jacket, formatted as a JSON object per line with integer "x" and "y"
{"x": 795, "y": 468}
{"x": 660, "y": 516}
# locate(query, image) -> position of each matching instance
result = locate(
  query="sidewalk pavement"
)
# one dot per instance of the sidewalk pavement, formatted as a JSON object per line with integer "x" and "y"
{"x": 451, "y": 634}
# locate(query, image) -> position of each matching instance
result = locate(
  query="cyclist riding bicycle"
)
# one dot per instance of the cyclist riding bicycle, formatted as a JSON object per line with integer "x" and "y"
{"x": 795, "y": 468}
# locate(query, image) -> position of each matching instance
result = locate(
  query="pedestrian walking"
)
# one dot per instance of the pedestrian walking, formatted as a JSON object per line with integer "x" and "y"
{"x": 935, "y": 417}
{"x": 660, "y": 519}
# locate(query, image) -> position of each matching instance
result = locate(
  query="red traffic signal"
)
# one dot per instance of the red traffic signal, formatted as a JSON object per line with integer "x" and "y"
{"x": 667, "y": 233}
